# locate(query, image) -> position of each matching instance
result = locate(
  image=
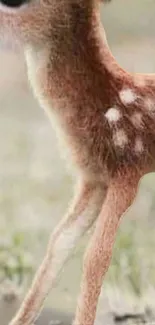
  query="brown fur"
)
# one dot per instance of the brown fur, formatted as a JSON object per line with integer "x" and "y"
{"x": 77, "y": 81}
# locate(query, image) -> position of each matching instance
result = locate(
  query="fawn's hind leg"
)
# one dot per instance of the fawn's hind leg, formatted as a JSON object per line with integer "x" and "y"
{"x": 120, "y": 195}
{"x": 80, "y": 217}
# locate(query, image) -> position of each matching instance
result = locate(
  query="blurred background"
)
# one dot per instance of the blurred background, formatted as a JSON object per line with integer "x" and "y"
{"x": 35, "y": 187}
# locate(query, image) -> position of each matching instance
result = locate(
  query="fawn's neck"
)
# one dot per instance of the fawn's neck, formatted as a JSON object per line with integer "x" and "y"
{"x": 77, "y": 67}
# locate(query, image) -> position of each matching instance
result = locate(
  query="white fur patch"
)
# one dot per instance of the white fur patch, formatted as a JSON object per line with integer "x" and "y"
{"x": 139, "y": 147}
{"x": 113, "y": 115}
{"x": 120, "y": 138}
{"x": 66, "y": 242}
{"x": 67, "y": 239}
{"x": 127, "y": 96}
{"x": 149, "y": 104}
{"x": 136, "y": 119}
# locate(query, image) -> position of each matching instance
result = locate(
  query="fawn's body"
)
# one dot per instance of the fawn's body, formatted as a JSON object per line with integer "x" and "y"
{"x": 106, "y": 117}
{"x": 100, "y": 110}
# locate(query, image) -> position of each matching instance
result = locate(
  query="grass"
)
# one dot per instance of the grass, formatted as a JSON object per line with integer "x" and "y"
{"x": 16, "y": 263}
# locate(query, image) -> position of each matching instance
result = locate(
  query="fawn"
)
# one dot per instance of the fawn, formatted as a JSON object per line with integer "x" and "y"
{"x": 107, "y": 119}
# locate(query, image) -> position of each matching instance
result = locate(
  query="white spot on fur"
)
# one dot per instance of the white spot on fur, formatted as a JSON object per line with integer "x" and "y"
{"x": 113, "y": 115}
{"x": 139, "y": 147}
{"x": 120, "y": 138}
{"x": 149, "y": 104}
{"x": 136, "y": 119}
{"x": 127, "y": 96}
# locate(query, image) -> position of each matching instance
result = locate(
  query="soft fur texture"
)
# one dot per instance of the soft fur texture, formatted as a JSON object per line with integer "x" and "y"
{"x": 106, "y": 118}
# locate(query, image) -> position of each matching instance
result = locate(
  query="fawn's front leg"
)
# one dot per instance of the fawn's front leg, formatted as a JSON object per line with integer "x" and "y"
{"x": 120, "y": 195}
{"x": 80, "y": 217}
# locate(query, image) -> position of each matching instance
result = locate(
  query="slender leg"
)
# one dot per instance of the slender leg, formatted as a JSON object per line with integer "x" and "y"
{"x": 82, "y": 214}
{"x": 120, "y": 195}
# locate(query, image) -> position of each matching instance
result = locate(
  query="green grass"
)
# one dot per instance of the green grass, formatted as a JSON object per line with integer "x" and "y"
{"x": 16, "y": 263}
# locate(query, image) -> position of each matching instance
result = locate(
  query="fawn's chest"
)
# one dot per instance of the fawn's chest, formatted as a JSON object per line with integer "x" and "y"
{"x": 79, "y": 132}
